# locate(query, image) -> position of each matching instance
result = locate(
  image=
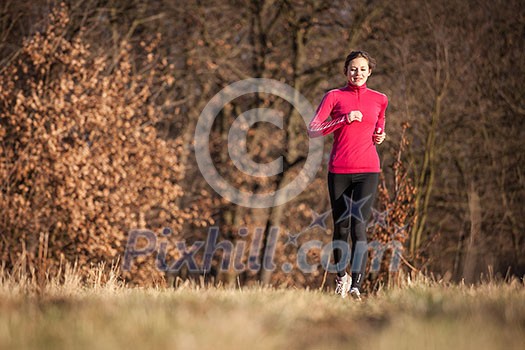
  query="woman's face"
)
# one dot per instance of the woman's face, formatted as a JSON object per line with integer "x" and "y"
{"x": 358, "y": 71}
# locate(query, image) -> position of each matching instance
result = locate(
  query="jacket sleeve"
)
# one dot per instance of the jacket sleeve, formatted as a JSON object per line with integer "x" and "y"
{"x": 380, "y": 125}
{"x": 320, "y": 126}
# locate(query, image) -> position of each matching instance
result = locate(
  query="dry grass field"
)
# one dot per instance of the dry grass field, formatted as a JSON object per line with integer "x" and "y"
{"x": 109, "y": 315}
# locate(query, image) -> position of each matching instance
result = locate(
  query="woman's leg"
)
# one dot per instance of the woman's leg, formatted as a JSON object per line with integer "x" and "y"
{"x": 364, "y": 190}
{"x": 339, "y": 186}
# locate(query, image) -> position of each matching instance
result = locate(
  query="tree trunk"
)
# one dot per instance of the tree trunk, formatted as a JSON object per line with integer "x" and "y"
{"x": 471, "y": 258}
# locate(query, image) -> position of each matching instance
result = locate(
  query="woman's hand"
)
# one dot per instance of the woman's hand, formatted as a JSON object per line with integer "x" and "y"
{"x": 354, "y": 116}
{"x": 379, "y": 138}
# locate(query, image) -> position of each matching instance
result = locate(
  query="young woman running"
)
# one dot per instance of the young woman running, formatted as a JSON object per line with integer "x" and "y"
{"x": 357, "y": 119}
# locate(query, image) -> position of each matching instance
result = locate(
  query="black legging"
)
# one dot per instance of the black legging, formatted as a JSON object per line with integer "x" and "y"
{"x": 361, "y": 188}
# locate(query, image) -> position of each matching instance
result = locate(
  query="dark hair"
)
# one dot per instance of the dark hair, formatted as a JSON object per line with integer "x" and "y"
{"x": 359, "y": 53}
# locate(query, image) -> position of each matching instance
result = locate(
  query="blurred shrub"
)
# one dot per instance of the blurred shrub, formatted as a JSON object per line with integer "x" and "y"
{"x": 80, "y": 161}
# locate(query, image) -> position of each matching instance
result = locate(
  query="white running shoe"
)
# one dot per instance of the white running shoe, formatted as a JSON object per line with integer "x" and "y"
{"x": 354, "y": 293}
{"x": 342, "y": 285}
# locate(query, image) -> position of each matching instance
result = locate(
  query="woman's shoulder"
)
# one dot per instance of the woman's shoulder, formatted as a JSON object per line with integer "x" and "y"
{"x": 378, "y": 96}
{"x": 335, "y": 91}
{"x": 377, "y": 93}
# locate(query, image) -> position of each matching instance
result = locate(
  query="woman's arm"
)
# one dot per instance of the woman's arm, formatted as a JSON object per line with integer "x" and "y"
{"x": 317, "y": 129}
{"x": 380, "y": 125}
{"x": 320, "y": 126}
{"x": 379, "y": 133}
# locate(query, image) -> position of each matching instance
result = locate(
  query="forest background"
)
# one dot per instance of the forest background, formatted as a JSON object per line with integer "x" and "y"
{"x": 99, "y": 102}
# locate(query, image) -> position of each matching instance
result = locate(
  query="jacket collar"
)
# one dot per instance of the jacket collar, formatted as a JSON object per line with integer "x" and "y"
{"x": 350, "y": 87}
